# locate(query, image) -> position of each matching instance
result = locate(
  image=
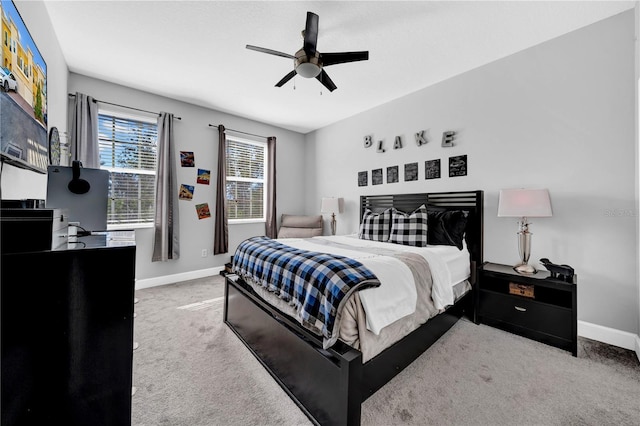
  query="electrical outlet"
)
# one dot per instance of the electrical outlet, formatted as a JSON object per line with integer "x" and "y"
{"x": 204, "y": 252}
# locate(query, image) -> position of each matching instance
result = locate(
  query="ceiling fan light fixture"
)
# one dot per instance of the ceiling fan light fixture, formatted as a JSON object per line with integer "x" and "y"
{"x": 308, "y": 62}
{"x": 308, "y": 70}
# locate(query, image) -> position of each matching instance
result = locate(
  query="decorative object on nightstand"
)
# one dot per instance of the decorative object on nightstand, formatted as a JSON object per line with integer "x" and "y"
{"x": 560, "y": 272}
{"x": 541, "y": 307}
{"x": 524, "y": 203}
{"x": 331, "y": 205}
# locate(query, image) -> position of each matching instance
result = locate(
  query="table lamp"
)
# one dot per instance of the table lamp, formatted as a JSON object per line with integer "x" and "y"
{"x": 524, "y": 203}
{"x": 331, "y": 205}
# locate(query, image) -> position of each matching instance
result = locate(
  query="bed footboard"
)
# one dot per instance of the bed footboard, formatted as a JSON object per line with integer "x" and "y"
{"x": 379, "y": 370}
{"x": 326, "y": 386}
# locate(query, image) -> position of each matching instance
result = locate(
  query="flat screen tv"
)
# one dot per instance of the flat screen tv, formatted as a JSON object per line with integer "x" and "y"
{"x": 23, "y": 95}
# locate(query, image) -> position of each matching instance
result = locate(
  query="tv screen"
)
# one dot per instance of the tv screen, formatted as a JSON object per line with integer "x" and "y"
{"x": 23, "y": 95}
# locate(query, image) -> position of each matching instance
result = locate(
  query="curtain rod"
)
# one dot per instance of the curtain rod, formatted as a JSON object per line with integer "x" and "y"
{"x": 72, "y": 95}
{"x": 239, "y": 131}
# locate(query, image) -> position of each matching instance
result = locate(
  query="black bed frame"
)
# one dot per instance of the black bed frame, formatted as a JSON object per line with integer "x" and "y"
{"x": 330, "y": 385}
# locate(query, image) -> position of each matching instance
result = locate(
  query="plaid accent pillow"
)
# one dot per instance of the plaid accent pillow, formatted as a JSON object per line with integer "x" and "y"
{"x": 409, "y": 229}
{"x": 375, "y": 226}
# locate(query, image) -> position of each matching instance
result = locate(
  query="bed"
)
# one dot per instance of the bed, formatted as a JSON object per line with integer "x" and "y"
{"x": 330, "y": 378}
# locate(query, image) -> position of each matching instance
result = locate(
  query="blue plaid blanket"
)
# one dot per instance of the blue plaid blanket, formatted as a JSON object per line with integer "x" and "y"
{"x": 316, "y": 284}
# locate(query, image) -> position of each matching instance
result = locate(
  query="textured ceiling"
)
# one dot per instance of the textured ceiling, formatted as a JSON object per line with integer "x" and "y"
{"x": 194, "y": 51}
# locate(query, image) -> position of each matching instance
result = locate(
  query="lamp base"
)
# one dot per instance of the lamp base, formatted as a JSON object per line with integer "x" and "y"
{"x": 525, "y": 269}
{"x": 333, "y": 224}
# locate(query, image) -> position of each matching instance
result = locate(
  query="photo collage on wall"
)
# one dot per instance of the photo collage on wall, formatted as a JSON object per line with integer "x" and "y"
{"x": 203, "y": 177}
{"x": 432, "y": 170}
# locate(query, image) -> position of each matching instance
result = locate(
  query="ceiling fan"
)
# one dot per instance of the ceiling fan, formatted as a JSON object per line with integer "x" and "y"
{"x": 308, "y": 62}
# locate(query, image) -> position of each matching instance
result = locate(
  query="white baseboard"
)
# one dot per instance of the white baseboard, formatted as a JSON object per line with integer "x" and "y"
{"x": 610, "y": 336}
{"x": 175, "y": 278}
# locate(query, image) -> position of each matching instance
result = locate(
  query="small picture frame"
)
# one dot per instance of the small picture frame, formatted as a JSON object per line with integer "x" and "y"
{"x": 376, "y": 177}
{"x": 204, "y": 177}
{"x": 410, "y": 172}
{"x": 392, "y": 174}
{"x": 458, "y": 166}
{"x": 187, "y": 159}
{"x": 432, "y": 169}
{"x": 203, "y": 211}
{"x": 363, "y": 178}
{"x": 186, "y": 192}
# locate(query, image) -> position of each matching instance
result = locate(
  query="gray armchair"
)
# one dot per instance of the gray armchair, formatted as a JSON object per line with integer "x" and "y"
{"x": 298, "y": 226}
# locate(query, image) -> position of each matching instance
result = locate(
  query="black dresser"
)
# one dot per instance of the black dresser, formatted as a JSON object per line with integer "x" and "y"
{"x": 67, "y": 335}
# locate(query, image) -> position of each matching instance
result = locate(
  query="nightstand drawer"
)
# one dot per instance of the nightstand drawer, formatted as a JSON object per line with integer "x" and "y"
{"x": 541, "y": 317}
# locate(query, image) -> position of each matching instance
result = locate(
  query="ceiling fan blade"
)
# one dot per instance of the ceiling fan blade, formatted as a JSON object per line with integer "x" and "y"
{"x": 342, "y": 57}
{"x": 323, "y": 78}
{"x": 270, "y": 51}
{"x": 286, "y": 78}
{"x": 311, "y": 34}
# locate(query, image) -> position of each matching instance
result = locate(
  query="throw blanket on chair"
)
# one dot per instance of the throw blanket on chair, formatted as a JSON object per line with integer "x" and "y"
{"x": 316, "y": 284}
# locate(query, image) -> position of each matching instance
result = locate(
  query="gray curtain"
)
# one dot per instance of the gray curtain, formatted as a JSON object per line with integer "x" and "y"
{"x": 84, "y": 131}
{"x": 166, "y": 243}
{"x": 271, "y": 225}
{"x": 221, "y": 231}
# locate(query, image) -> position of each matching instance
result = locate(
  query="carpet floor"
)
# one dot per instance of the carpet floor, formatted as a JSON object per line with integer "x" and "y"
{"x": 191, "y": 369}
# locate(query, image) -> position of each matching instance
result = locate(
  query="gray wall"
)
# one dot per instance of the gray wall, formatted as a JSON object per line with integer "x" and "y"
{"x": 192, "y": 133}
{"x": 560, "y": 115}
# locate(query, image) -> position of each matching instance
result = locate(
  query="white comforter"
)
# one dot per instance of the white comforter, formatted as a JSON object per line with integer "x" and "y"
{"x": 387, "y": 303}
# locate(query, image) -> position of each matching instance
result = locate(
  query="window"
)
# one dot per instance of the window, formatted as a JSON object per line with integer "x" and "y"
{"x": 246, "y": 180}
{"x": 128, "y": 150}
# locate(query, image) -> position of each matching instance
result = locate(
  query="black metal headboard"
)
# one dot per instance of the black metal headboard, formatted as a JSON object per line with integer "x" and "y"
{"x": 470, "y": 201}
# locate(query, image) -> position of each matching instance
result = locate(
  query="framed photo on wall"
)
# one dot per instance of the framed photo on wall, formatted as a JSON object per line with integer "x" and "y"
{"x": 410, "y": 172}
{"x": 202, "y": 210}
{"x": 376, "y": 177}
{"x": 432, "y": 169}
{"x": 458, "y": 166}
{"x": 392, "y": 174}
{"x": 187, "y": 159}
{"x": 186, "y": 192}
{"x": 204, "y": 176}
{"x": 363, "y": 178}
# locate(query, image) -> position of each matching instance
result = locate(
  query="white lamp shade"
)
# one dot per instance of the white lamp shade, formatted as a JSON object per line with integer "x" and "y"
{"x": 524, "y": 203}
{"x": 330, "y": 205}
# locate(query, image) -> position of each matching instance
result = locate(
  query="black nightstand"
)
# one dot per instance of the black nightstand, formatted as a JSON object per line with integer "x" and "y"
{"x": 535, "y": 306}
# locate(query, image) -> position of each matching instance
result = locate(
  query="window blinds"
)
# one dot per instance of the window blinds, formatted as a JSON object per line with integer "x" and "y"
{"x": 128, "y": 149}
{"x": 245, "y": 188}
